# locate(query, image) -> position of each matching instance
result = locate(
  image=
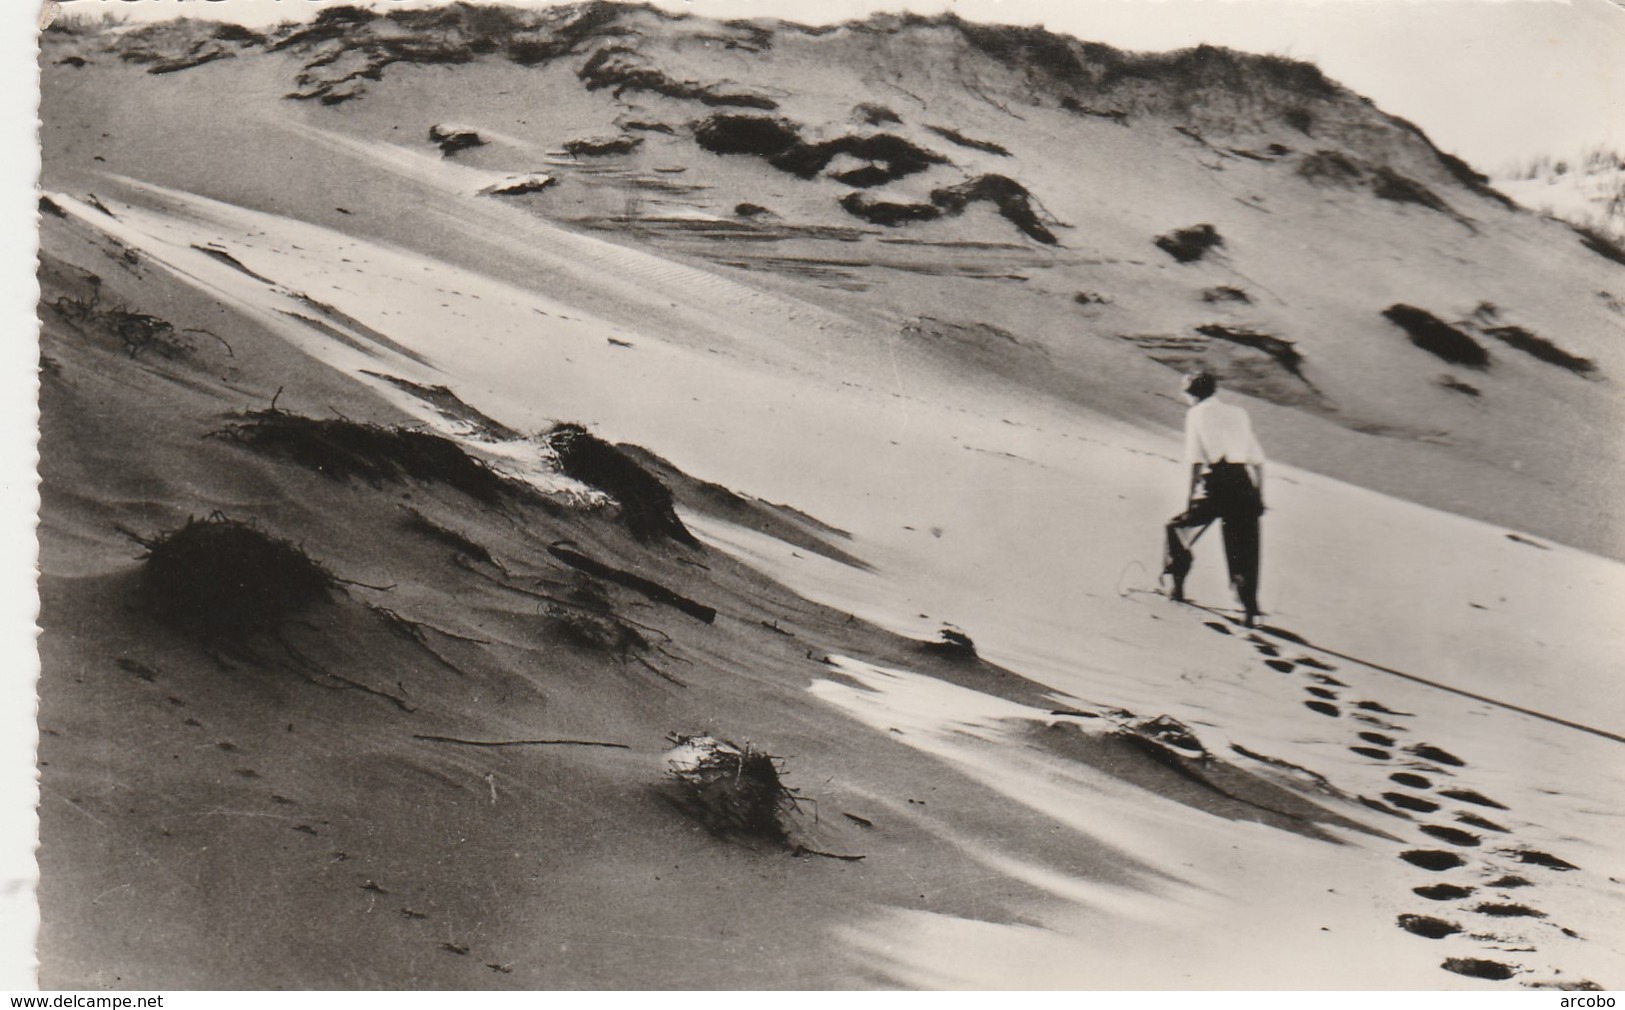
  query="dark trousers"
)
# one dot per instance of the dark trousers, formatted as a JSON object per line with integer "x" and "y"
{"x": 1226, "y": 494}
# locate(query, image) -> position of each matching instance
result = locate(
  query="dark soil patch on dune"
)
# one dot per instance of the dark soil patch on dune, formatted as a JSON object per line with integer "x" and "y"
{"x": 646, "y": 505}
{"x": 1455, "y": 836}
{"x": 1411, "y": 779}
{"x": 1478, "y": 968}
{"x": 1442, "y": 892}
{"x": 1472, "y": 796}
{"x": 223, "y": 580}
{"x": 1411, "y": 802}
{"x": 1324, "y": 708}
{"x": 1437, "y": 337}
{"x": 339, "y": 449}
{"x": 1432, "y": 859}
{"x": 1379, "y": 739}
{"x": 1189, "y": 245}
{"x": 1371, "y": 752}
{"x": 1428, "y": 926}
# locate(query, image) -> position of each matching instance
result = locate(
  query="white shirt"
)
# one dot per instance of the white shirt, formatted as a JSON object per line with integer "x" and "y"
{"x": 1217, "y": 431}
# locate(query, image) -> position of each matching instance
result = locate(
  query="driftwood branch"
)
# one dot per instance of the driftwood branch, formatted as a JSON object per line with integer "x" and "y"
{"x": 517, "y": 743}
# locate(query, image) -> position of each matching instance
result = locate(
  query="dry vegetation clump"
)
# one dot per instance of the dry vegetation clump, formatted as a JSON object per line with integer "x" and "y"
{"x": 871, "y": 114}
{"x": 1187, "y": 245}
{"x": 1437, "y": 337}
{"x": 624, "y": 69}
{"x": 952, "y": 644}
{"x": 1396, "y": 188}
{"x": 761, "y": 136}
{"x": 887, "y": 212}
{"x": 339, "y": 449}
{"x": 733, "y": 790}
{"x": 452, "y": 139}
{"x": 892, "y": 158}
{"x": 595, "y": 631}
{"x": 955, "y": 137}
{"x": 1330, "y": 167}
{"x": 647, "y": 507}
{"x": 223, "y": 580}
{"x": 1225, "y": 293}
{"x": 1014, "y": 203}
{"x": 1600, "y": 244}
{"x": 1539, "y": 347}
{"x": 1283, "y": 352}
{"x": 601, "y": 147}
{"x": 138, "y": 332}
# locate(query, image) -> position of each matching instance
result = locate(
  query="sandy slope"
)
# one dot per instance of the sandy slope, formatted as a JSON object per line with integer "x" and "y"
{"x": 272, "y": 817}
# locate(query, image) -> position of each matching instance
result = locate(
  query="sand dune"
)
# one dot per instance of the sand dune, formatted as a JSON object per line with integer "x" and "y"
{"x": 924, "y": 480}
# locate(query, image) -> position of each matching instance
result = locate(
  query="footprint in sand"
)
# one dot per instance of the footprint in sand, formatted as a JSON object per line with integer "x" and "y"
{"x": 1321, "y": 692}
{"x": 1383, "y": 808}
{"x": 1313, "y": 663}
{"x": 1280, "y": 665}
{"x": 1216, "y": 626}
{"x": 1472, "y": 796}
{"x": 1479, "y": 822}
{"x": 1478, "y": 968}
{"x": 1372, "y": 752}
{"x": 1428, "y": 926}
{"x": 1509, "y": 881}
{"x": 1534, "y": 857}
{"x": 1408, "y": 779}
{"x": 1322, "y": 678}
{"x": 1324, "y": 708}
{"x": 1377, "y": 706}
{"x": 1432, "y": 753}
{"x": 1377, "y": 738}
{"x": 1442, "y": 892}
{"x": 1432, "y": 859}
{"x": 1409, "y": 802}
{"x": 1455, "y": 836}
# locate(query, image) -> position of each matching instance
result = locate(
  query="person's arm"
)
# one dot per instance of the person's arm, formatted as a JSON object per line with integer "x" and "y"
{"x": 1196, "y": 478}
{"x": 1258, "y": 481}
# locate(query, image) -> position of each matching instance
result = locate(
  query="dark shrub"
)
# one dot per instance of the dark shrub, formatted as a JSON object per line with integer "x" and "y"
{"x": 1190, "y": 244}
{"x": 1330, "y": 166}
{"x": 762, "y": 136}
{"x": 340, "y": 449}
{"x": 1539, "y": 347}
{"x": 1392, "y": 186}
{"x": 1437, "y": 337}
{"x": 954, "y": 136}
{"x": 222, "y": 580}
{"x": 733, "y": 790}
{"x": 896, "y": 156}
{"x": 1284, "y": 352}
{"x": 887, "y": 213}
{"x": 1012, "y": 199}
{"x": 602, "y": 147}
{"x": 1600, "y": 244}
{"x": 646, "y": 506}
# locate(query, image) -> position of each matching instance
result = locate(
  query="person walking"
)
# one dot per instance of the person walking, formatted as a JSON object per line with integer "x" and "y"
{"x": 1226, "y": 485}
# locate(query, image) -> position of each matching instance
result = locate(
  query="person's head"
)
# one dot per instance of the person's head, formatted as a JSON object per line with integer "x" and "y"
{"x": 1200, "y": 385}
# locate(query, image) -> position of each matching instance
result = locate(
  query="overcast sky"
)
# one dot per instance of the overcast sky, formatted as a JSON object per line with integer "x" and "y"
{"x": 1491, "y": 80}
